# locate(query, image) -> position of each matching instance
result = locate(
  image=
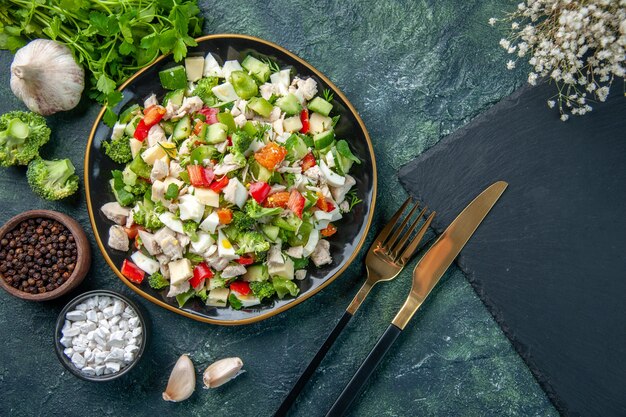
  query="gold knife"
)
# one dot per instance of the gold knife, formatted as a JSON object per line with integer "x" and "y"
{"x": 426, "y": 275}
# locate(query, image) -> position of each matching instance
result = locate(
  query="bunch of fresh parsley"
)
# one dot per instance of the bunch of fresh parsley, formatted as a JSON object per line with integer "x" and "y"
{"x": 112, "y": 39}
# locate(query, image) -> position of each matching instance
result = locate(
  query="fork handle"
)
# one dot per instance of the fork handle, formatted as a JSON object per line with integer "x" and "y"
{"x": 351, "y": 391}
{"x": 310, "y": 369}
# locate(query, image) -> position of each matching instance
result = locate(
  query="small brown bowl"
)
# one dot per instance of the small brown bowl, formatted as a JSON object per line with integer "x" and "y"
{"x": 83, "y": 254}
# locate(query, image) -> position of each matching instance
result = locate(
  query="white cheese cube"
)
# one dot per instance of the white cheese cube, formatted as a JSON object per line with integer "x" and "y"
{"x": 180, "y": 271}
{"x": 218, "y": 297}
{"x": 207, "y": 197}
{"x": 194, "y": 67}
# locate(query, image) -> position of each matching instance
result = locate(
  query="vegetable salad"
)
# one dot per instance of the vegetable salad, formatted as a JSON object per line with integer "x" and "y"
{"x": 232, "y": 183}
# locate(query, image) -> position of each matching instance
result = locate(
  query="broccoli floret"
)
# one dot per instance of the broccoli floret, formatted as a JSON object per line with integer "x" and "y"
{"x": 140, "y": 188}
{"x": 158, "y": 281}
{"x": 21, "y": 136}
{"x": 255, "y": 210}
{"x": 118, "y": 150}
{"x": 252, "y": 242}
{"x": 262, "y": 290}
{"x": 284, "y": 286}
{"x": 203, "y": 90}
{"x": 241, "y": 142}
{"x": 52, "y": 180}
{"x": 242, "y": 222}
{"x": 234, "y": 302}
{"x": 190, "y": 227}
{"x": 147, "y": 216}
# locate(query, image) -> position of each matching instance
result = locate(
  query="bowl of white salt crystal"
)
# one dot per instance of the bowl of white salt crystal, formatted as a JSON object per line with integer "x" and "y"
{"x": 100, "y": 335}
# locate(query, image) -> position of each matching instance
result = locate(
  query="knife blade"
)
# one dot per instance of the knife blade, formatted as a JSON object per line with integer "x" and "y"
{"x": 426, "y": 275}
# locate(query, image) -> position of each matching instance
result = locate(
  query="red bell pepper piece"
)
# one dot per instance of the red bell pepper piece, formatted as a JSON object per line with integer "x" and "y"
{"x": 259, "y": 191}
{"x": 304, "y": 119}
{"x": 308, "y": 161}
{"x": 240, "y": 287}
{"x": 245, "y": 260}
{"x": 132, "y": 272}
{"x": 296, "y": 202}
{"x": 141, "y": 131}
{"x": 132, "y": 231}
{"x": 201, "y": 273}
{"x": 219, "y": 185}
{"x": 153, "y": 115}
{"x": 324, "y": 204}
{"x": 210, "y": 113}
{"x": 200, "y": 176}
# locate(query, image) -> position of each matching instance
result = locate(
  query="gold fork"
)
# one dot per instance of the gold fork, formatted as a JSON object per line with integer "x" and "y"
{"x": 392, "y": 249}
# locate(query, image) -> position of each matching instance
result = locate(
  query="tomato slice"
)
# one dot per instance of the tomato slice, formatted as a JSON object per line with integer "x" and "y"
{"x": 296, "y": 202}
{"x": 271, "y": 155}
{"x": 132, "y": 231}
{"x": 245, "y": 260}
{"x": 324, "y": 204}
{"x": 225, "y": 215}
{"x": 304, "y": 119}
{"x": 201, "y": 273}
{"x": 219, "y": 185}
{"x": 240, "y": 287}
{"x": 259, "y": 191}
{"x": 278, "y": 199}
{"x": 329, "y": 230}
{"x": 308, "y": 161}
{"x": 210, "y": 113}
{"x": 141, "y": 131}
{"x": 153, "y": 115}
{"x": 132, "y": 272}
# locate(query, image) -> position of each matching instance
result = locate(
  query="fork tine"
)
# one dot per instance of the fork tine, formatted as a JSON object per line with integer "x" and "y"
{"x": 398, "y": 246}
{"x": 408, "y": 252}
{"x": 382, "y": 236}
{"x": 394, "y": 238}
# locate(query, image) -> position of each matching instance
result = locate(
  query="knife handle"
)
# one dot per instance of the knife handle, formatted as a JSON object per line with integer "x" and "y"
{"x": 351, "y": 391}
{"x": 310, "y": 369}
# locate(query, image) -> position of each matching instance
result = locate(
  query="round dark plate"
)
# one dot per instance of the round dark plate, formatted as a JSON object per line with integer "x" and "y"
{"x": 352, "y": 228}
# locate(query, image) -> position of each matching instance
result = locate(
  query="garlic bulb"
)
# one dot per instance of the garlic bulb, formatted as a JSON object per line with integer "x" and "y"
{"x": 182, "y": 382}
{"x": 222, "y": 371}
{"x": 45, "y": 76}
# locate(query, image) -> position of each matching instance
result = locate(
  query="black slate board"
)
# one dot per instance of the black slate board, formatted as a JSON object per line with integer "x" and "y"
{"x": 550, "y": 260}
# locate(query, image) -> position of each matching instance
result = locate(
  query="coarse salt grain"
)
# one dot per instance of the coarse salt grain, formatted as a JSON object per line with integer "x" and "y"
{"x": 101, "y": 335}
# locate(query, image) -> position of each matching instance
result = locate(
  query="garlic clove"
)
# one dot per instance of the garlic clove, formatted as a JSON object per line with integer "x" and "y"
{"x": 45, "y": 76}
{"x": 222, "y": 371}
{"x": 182, "y": 382}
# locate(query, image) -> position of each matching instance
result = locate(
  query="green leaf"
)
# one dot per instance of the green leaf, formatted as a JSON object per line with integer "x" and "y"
{"x": 114, "y": 98}
{"x": 167, "y": 40}
{"x": 172, "y": 192}
{"x": 53, "y": 28}
{"x": 234, "y": 302}
{"x": 109, "y": 118}
{"x": 105, "y": 84}
{"x": 127, "y": 48}
{"x": 105, "y": 25}
{"x": 180, "y": 50}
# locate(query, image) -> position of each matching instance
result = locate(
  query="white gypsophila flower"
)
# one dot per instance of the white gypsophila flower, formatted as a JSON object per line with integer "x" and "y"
{"x": 564, "y": 117}
{"x": 580, "y": 44}
{"x": 492, "y": 21}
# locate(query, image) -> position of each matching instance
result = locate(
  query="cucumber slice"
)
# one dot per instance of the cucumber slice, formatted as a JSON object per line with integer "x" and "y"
{"x": 324, "y": 139}
{"x": 260, "y": 172}
{"x": 227, "y": 119}
{"x": 201, "y": 153}
{"x": 139, "y": 167}
{"x": 258, "y": 69}
{"x": 129, "y": 113}
{"x": 176, "y": 97}
{"x": 256, "y": 273}
{"x": 292, "y": 124}
{"x": 289, "y": 104}
{"x": 216, "y": 133}
{"x": 244, "y": 84}
{"x": 132, "y": 125}
{"x": 250, "y": 128}
{"x": 271, "y": 231}
{"x": 182, "y": 130}
{"x": 302, "y": 236}
{"x": 173, "y": 78}
{"x": 296, "y": 148}
{"x": 168, "y": 127}
{"x": 321, "y": 106}
{"x": 261, "y": 106}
